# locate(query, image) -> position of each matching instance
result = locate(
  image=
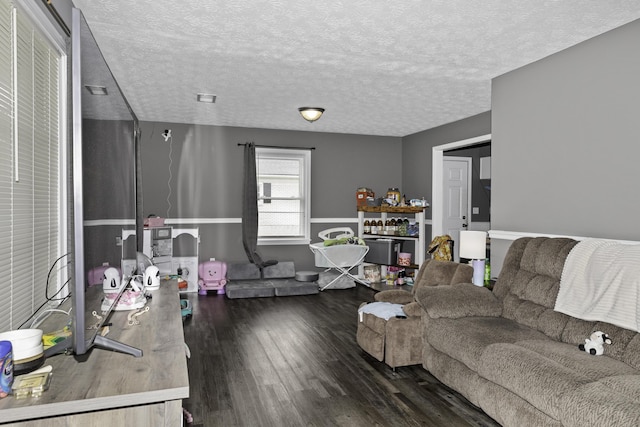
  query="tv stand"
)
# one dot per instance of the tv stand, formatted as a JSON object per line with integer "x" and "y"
{"x": 111, "y": 388}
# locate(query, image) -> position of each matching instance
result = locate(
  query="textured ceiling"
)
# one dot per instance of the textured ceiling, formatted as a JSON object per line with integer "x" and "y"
{"x": 377, "y": 67}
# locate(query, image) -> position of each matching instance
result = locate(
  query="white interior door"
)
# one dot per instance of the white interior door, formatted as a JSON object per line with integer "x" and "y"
{"x": 456, "y": 194}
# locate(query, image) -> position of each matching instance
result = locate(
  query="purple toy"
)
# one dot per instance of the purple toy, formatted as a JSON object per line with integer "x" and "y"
{"x": 212, "y": 277}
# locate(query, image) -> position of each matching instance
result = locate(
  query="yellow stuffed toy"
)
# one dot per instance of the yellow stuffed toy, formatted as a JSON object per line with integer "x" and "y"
{"x": 441, "y": 248}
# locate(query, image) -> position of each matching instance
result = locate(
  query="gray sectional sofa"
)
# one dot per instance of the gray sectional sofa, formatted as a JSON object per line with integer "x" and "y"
{"x": 511, "y": 354}
{"x": 246, "y": 281}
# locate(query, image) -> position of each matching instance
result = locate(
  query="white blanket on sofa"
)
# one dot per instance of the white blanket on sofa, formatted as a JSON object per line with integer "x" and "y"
{"x": 601, "y": 282}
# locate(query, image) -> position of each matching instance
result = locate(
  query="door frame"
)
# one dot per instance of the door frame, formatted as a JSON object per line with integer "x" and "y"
{"x": 437, "y": 166}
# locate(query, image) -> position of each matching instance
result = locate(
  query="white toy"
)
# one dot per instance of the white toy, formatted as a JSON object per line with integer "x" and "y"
{"x": 595, "y": 344}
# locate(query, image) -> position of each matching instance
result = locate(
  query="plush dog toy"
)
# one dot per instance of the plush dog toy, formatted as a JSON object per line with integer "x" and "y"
{"x": 595, "y": 344}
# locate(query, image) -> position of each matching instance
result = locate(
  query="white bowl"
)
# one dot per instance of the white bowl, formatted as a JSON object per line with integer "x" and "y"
{"x": 21, "y": 354}
{"x": 24, "y": 342}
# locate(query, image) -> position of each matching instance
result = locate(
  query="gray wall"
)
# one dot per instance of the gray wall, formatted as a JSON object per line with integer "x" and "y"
{"x": 204, "y": 165}
{"x": 417, "y": 150}
{"x": 566, "y": 145}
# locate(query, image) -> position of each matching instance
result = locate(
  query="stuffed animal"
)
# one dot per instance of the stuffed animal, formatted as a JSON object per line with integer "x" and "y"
{"x": 212, "y": 277}
{"x": 595, "y": 344}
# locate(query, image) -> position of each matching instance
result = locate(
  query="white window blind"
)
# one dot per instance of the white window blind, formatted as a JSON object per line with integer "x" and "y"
{"x": 30, "y": 198}
{"x": 284, "y": 189}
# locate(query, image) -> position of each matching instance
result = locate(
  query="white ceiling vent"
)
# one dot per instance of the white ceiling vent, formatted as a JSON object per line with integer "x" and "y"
{"x": 205, "y": 97}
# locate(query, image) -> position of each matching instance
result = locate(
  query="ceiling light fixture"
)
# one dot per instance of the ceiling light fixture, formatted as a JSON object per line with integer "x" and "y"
{"x": 205, "y": 97}
{"x": 311, "y": 114}
{"x": 96, "y": 90}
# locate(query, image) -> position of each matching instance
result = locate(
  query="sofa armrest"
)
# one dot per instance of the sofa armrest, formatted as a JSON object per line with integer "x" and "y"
{"x": 394, "y": 296}
{"x": 461, "y": 300}
{"x": 412, "y": 309}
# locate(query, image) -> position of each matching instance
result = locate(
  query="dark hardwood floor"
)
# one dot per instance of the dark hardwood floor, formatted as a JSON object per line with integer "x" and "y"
{"x": 294, "y": 361}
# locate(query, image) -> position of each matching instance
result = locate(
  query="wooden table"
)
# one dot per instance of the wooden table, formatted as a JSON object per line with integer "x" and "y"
{"x": 112, "y": 388}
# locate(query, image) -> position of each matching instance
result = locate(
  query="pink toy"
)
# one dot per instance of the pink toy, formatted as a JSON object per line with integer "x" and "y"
{"x": 212, "y": 277}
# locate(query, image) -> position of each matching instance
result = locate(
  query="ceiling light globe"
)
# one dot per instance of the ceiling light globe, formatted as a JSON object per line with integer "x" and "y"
{"x": 311, "y": 114}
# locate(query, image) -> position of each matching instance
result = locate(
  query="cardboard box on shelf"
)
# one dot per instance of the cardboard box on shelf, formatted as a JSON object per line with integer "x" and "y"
{"x": 362, "y": 195}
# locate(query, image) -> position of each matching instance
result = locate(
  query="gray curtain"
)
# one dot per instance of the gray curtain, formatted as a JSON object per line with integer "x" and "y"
{"x": 250, "y": 209}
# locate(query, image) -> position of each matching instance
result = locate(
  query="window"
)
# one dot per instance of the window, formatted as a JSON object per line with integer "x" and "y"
{"x": 284, "y": 188}
{"x": 31, "y": 187}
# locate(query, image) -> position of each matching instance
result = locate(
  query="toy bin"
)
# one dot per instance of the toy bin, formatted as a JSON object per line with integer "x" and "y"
{"x": 383, "y": 251}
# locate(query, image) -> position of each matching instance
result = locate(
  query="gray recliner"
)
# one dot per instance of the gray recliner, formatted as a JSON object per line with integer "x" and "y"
{"x": 398, "y": 342}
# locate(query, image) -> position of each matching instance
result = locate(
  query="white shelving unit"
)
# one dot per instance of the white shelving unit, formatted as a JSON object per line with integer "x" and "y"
{"x": 188, "y": 264}
{"x": 383, "y": 212}
{"x": 159, "y": 246}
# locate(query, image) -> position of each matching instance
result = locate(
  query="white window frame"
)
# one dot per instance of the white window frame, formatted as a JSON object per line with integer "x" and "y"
{"x": 305, "y": 187}
{"x": 24, "y": 289}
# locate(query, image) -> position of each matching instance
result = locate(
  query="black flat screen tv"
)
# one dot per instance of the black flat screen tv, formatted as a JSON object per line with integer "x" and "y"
{"x": 105, "y": 185}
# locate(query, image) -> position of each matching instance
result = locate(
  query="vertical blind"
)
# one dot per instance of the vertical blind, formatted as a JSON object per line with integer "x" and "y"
{"x": 30, "y": 198}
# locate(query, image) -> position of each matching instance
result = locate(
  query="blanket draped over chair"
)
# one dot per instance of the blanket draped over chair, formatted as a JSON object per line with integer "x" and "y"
{"x": 601, "y": 282}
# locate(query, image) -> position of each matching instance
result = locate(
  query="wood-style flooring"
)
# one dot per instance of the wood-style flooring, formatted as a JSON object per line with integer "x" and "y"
{"x": 294, "y": 361}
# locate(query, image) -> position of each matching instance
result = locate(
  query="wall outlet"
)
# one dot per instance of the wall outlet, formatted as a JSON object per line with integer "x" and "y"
{"x": 476, "y": 210}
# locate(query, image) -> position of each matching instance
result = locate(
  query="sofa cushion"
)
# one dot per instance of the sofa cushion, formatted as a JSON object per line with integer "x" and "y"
{"x": 591, "y": 367}
{"x": 611, "y": 401}
{"x": 438, "y": 273}
{"x": 542, "y": 371}
{"x": 249, "y": 289}
{"x": 242, "y": 271}
{"x": 530, "y": 279}
{"x": 291, "y": 287}
{"x": 394, "y": 296}
{"x": 461, "y": 300}
{"x": 530, "y": 257}
{"x": 465, "y": 339}
{"x": 529, "y": 375}
{"x": 281, "y": 270}
{"x": 632, "y": 352}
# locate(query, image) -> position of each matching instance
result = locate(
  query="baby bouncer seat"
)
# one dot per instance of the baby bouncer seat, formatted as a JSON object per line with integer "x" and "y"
{"x": 339, "y": 250}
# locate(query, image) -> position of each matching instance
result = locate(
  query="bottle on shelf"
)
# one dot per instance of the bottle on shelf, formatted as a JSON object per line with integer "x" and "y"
{"x": 403, "y": 227}
{"x": 380, "y": 226}
{"x": 401, "y": 276}
{"x": 367, "y": 227}
{"x": 393, "y": 194}
{"x": 487, "y": 272}
{"x": 374, "y": 227}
